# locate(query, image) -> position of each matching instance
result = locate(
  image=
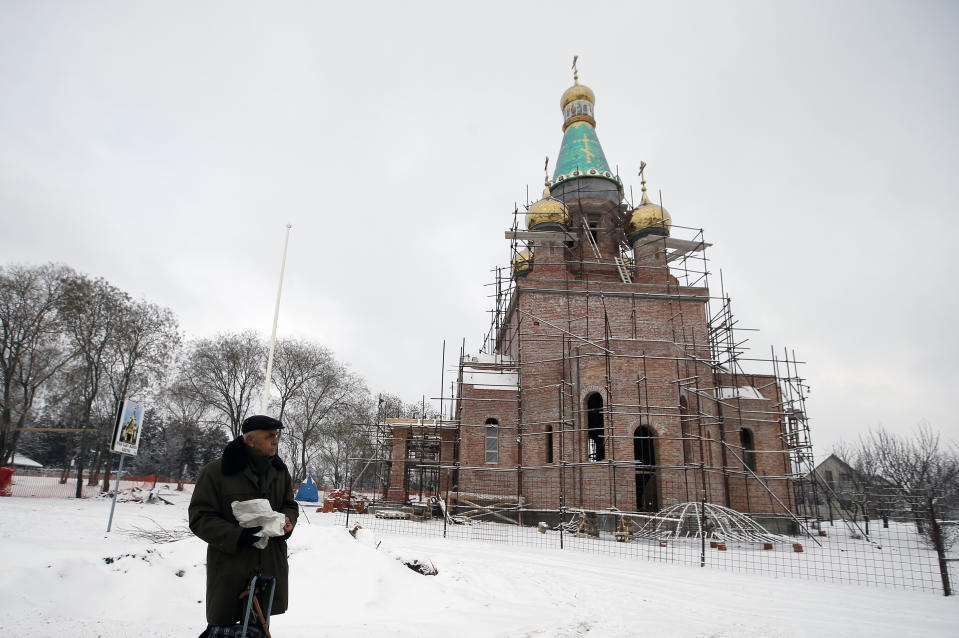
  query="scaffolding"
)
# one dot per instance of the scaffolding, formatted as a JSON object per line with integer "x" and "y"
{"x": 709, "y": 369}
{"x": 701, "y": 453}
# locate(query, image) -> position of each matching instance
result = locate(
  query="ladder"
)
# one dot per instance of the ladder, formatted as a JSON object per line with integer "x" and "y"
{"x": 623, "y": 271}
{"x": 620, "y": 264}
{"x": 591, "y": 239}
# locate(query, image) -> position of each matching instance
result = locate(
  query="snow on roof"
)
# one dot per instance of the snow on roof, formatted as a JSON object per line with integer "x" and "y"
{"x": 25, "y": 461}
{"x": 485, "y": 357}
{"x": 742, "y": 392}
{"x": 485, "y": 377}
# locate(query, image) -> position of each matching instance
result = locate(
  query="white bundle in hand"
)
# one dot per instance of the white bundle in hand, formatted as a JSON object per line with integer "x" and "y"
{"x": 258, "y": 511}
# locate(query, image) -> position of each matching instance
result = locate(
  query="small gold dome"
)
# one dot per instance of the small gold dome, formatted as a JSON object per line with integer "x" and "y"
{"x": 548, "y": 210}
{"x": 577, "y": 92}
{"x": 648, "y": 218}
{"x": 523, "y": 263}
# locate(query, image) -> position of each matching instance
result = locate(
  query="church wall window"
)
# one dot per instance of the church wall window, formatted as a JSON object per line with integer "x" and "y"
{"x": 595, "y": 428}
{"x": 492, "y": 441}
{"x": 549, "y": 444}
{"x": 749, "y": 445}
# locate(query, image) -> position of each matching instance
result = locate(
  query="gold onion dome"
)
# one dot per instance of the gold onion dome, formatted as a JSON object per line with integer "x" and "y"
{"x": 647, "y": 218}
{"x": 576, "y": 93}
{"x": 523, "y": 263}
{"x": 577, "y": 105}
{"x": 548, "y": 213}
{"x": 577, "y": 102}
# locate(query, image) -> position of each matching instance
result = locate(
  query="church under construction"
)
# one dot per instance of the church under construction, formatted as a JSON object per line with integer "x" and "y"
{"x": 612, "y": 378}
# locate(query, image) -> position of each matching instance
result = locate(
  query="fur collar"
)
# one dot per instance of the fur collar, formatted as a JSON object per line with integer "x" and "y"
{"x": 236, "y": 457}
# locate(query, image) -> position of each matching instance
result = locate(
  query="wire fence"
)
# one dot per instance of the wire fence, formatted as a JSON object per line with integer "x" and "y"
{"x": 60, "y": 484}
{"x": 889, "y": 539}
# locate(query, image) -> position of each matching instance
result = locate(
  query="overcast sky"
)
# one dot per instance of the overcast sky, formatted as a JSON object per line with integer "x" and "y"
{"x": 165, "y": 145}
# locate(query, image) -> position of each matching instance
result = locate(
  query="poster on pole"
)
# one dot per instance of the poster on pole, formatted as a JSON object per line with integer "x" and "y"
{"x": 126, "y": 432}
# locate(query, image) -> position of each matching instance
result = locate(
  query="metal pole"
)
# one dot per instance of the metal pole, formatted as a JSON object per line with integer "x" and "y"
{"x": 702, "y": 528}
{"x": 442, "y": 378}
{"x": 562, "y": 498}
{"x": 940, "y": 548}
{"x": 116, "y": 488}
{"x": 349, "y": 498}
{"x": 276, "y": 316}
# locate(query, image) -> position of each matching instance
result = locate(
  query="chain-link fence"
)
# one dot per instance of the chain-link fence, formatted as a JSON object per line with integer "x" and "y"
{"x": 890, "y": 539}
{"x": 59, "y": 484}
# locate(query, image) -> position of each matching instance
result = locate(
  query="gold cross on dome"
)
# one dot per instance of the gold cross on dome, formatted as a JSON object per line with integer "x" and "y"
{"x": 589, "y": 154}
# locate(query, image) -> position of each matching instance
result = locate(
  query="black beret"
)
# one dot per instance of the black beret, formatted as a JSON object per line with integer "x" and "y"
{"x": 260, "y": 422}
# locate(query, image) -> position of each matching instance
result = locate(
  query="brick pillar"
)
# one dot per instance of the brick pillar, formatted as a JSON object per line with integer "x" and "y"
{"x": 397, "y": 491}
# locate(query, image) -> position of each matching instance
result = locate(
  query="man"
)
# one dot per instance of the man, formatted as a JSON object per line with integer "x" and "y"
{"x": 249, "y": 469}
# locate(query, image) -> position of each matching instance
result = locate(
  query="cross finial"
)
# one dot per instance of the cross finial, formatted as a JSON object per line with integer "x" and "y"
{"x": 575, "y": 70}
{"x": 546, "y": 171}
{"x": 642, "y": 179}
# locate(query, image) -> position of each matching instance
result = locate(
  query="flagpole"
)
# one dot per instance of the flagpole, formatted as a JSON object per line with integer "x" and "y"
{"x": 276, "y": 316}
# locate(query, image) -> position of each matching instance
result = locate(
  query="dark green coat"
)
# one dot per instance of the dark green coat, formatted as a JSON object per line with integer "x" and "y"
{"x": 229, "y": 568}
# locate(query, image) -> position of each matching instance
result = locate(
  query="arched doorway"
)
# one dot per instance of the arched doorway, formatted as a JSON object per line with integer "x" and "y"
{"x": 644, "y": 452}
{"x": 595, "y": 428}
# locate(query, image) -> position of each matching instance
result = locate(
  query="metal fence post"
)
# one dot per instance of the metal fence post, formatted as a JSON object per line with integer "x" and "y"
{"x": 940, "y": 548}
{"x": 562, "y": 500}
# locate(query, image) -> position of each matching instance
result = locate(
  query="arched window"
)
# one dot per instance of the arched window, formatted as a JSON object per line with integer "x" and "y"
{"x": 549, "y": 444}
{"x": 644, "y": 451}
{"x": 749, "y": 445}
{"x": 595, "y": 427}
{"x": 492, "y": 441}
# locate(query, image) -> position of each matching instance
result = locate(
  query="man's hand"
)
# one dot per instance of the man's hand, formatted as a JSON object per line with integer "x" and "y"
{"x": 287, "y": 525}
{"x": 247, "y": 536}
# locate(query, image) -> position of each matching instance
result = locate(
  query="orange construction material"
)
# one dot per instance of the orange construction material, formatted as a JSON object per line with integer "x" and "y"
{"x": 339, "y": 500}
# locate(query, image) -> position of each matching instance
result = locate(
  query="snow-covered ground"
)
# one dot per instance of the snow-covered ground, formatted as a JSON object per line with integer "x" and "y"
{"x": 63, "y": 575}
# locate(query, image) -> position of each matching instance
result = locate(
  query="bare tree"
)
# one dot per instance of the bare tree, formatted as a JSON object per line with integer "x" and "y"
{"x": 91, "y": 310}
{"x": 297, "y": 364}
{"x": 343, "y": 439}
{"x": 904, "y": 471}
{"x": 916, "y": 464}
{"x": 393, "y": 407}
{"x": 32, "y": 349}
{"x": 313, "y": 420}
{"x": 185, "y": 441}
{"x": 145, "y": 341}
{"x": 226, "y": 372}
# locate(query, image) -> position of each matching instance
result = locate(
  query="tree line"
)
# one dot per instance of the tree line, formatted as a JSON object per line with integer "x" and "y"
{"x": 896, "y": 475}
{"x": 73, "y": 347}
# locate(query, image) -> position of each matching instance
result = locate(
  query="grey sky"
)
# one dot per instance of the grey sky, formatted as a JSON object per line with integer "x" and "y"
{"x": 164, "y": 146}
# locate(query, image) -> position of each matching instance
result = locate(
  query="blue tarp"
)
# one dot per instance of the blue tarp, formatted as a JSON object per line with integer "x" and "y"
{"x": 308, "y": 491}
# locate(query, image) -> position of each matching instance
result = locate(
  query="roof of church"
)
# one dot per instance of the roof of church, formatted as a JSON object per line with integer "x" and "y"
{"x": 580, "y": 151}
{"x": 580, "y": 154}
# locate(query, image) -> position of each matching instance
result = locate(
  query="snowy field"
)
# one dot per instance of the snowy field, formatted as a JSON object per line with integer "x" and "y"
{"x": 63, "y": 575}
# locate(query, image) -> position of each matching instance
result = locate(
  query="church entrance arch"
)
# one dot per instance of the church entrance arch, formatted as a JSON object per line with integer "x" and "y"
{"x": 644, "y": 452}
{"x": 595, "y": 427}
